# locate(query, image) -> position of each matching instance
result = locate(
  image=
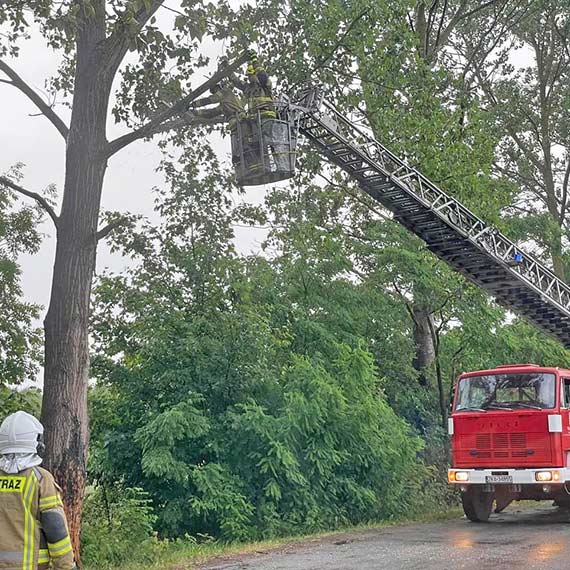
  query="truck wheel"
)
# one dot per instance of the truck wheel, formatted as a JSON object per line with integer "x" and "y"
{"x": 477, "y": 505}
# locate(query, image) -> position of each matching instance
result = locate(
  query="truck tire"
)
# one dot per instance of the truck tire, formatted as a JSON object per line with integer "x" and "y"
{"x": 477, "y": 505}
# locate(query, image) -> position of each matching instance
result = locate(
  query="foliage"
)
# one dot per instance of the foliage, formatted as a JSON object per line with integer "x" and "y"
{"x": 245, "y": 407}
{"x": 20, "y": 339}
{"x": 524, "y": 84}
{"x": 11, "y": 400}
{"x": 117, "y": 527}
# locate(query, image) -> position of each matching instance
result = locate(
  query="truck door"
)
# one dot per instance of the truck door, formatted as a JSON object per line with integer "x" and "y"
{"x": 565, "y": 411}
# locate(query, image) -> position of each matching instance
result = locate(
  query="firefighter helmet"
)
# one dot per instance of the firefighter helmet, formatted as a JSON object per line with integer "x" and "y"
{"x": 19, "y": 433}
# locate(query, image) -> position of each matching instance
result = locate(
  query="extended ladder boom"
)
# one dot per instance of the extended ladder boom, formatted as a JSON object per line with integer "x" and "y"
{"x": 480, "y": 252}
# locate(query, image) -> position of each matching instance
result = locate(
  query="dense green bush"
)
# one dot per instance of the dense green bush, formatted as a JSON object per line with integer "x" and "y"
{"x": 241, "y": 393}
{"x": 312, "y": 446}
{"x": 117, "y": 527}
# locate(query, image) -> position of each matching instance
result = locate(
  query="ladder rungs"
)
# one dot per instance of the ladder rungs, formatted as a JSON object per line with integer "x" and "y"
{"x": 415, "y": 201}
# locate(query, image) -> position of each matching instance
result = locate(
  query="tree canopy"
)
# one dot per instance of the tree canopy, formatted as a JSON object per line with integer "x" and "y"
{"x": 292, "y": 387}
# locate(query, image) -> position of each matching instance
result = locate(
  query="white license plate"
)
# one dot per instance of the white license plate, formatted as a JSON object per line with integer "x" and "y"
{"x": 499, "y": 479}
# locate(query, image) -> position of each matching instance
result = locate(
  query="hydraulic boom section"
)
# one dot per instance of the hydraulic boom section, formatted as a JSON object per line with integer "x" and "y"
{"x": 480, "y": 252}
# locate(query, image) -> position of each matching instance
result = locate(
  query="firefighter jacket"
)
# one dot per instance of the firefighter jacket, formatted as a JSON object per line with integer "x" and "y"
{"x": 257, "y": 92}
{"x": 260, "y": 96}
{"x": 33, "y": 528}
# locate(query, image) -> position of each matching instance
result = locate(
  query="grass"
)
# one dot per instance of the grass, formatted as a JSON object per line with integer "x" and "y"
{"x": 183, "y": 555}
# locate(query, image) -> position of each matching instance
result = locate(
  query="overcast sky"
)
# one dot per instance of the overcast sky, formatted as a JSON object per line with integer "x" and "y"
{"x": 130, "y": 177}
{"x": 33, "y": 141}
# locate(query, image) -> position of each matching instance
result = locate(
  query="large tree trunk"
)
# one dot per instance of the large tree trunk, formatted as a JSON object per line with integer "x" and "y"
{"x": 557, "y": 258}
{"x": 64, "y": 406}
{"x": 425, "y": 349}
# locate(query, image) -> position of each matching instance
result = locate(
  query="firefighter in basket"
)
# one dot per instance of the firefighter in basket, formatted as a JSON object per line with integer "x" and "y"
{"x": 228, "y": 108}
{"x": 258, "y": 93}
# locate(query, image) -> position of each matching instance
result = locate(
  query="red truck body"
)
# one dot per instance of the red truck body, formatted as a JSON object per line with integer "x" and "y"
{"x": 510, "y": 434}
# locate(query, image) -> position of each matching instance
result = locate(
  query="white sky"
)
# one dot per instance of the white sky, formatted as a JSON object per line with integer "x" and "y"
{"x": 131, "y": 175}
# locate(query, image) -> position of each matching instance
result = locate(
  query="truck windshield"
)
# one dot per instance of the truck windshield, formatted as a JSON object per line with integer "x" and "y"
{"x": 506, "y": 391}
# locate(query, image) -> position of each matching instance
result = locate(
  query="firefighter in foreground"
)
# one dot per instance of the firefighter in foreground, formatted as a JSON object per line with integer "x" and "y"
{"x": 33, "y": 527}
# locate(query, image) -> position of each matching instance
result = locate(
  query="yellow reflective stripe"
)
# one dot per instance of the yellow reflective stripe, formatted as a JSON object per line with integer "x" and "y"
{"x": 59, "y": 544}
{"x": 60, "y": 548}
{"x": 26, "y": 563}
{"x": 52, "y": 505}
{"x": 44, "y": 556}
{"x": 29, "y": 522}
{"x": 32, "y": 527}
{"x": 48, "y": 499}
{"x": 50, "y": 502}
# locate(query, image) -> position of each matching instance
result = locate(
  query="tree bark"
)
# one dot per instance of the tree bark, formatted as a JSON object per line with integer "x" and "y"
{"x": 64, "y": 406}
{"x": 425, "y": 349}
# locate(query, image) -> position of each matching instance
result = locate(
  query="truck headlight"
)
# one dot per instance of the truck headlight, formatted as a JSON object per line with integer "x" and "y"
{"x": 546, "y": 476}
{"x": 458, "y": 476}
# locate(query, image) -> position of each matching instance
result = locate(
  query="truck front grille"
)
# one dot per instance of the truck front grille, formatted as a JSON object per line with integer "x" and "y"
{"x": 483, "y": 441}
{"x": 518, "y": 440}
{"x": 501, "y": 445}
{"x": 502, "y": 449}
{"x": 500, "y": 441}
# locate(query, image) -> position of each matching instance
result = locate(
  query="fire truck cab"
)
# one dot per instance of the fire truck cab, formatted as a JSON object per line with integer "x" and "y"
{"x": 510, "y": 434}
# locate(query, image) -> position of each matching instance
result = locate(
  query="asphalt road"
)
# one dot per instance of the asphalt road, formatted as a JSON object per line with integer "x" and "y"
{"x": 531, "y": 538}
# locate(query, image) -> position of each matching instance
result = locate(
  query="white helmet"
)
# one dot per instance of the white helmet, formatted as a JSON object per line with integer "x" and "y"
{"x": 19, "y": 433}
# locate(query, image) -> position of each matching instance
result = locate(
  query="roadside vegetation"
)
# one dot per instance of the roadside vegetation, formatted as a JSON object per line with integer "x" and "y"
{"x": 190, "y": 550}
{"x": 241, "y": 396}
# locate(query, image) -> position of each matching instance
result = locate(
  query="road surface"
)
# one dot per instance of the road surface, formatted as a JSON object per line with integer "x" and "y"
{"x": 532, "y": 538}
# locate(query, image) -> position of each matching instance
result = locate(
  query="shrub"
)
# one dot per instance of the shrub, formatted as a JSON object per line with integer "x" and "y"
{"x": 117, "y": 527}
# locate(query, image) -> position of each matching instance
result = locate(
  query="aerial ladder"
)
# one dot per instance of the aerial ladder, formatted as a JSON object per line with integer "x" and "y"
{"x": 515, "y": 278}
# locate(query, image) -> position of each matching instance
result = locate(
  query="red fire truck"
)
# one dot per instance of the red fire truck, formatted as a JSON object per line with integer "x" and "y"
{"x": 510, "y": 433}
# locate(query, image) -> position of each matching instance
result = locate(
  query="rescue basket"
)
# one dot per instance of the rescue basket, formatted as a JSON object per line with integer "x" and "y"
{"x": 264, "y": 148}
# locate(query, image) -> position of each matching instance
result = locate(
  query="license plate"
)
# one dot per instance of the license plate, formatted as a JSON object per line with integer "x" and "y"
{"x": 499, "y": 479}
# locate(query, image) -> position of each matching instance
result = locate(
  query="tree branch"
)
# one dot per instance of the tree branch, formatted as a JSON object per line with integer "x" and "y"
{"x": 117, "y": 44}
{"x": 440, "y": 25}
{"x": 431, "y": 17}
{"x": 483, "y": 6}
{"x": 444, "y": 34}
{"x": 111, "y": 226}
{"x": 564, "y": 199}
{"x": 185, "y": 121}
{"x": 409, "y": 309}
{"x": 344, "y": 35}
{"x": 37, "y": 197}
{"x": 155, "y": 125}
{"x": 478, "y": 51}
{"x": 46, "y": 110}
